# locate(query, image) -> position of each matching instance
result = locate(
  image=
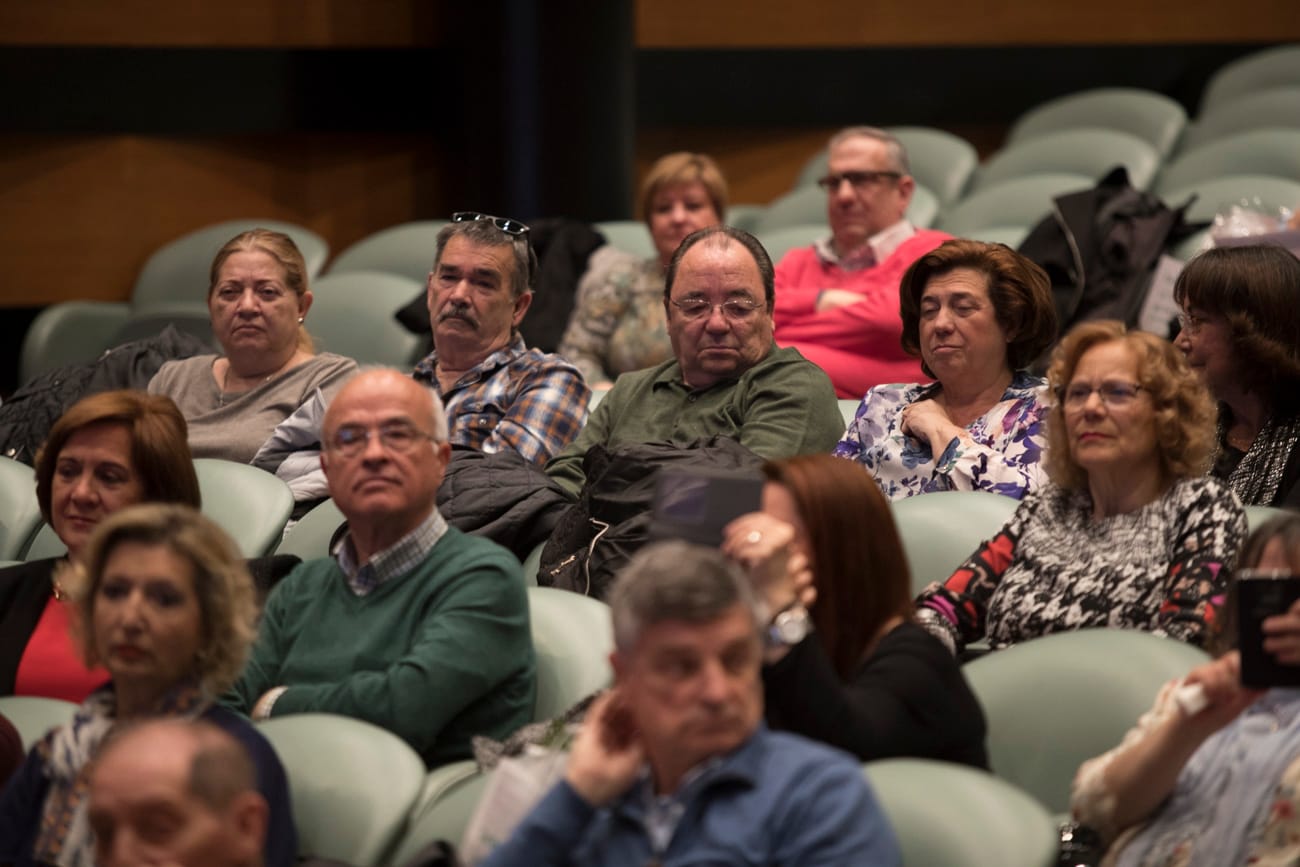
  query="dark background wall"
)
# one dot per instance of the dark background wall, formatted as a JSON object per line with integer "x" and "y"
{"x": 126, "y": 124}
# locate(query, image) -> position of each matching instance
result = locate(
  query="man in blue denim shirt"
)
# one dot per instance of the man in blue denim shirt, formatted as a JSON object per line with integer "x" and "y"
{"x": 674, "y": 766}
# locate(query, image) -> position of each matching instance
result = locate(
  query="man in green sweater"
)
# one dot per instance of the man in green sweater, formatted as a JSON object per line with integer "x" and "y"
{"x": 412, "y": 625}
{"x": 727, "y": 375}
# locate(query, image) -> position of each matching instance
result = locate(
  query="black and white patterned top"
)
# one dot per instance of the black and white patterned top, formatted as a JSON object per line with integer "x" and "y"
{"x": 1162, "y": 568}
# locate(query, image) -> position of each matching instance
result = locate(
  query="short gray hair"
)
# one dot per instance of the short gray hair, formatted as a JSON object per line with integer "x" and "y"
{"x": 485, "y": 233}
{"x": 676, "y": 581}
{"x": 895, "y": 151}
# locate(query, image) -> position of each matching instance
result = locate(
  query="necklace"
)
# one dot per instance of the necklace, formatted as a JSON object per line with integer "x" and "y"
{"x": 60, "y": 595}
{"x": 225, "y": 385}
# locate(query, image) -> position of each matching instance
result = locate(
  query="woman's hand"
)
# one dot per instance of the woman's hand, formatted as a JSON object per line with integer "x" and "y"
{"x": 764, "y": 547}
{"x": 1225, "y": 697}
{"x": 1282, "y": 635}
{"x": 607, "y": 753}
{"x": 926, "y": 421}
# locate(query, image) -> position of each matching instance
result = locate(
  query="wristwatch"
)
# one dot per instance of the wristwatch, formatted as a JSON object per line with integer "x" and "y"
{"x": 790, "y": 626}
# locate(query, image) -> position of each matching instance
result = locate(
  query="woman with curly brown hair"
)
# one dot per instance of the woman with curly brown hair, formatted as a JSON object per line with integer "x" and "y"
{"x": 1241, "y": 333}
{"x": 165, "y": 604}
{"x": 1129, "y": 533}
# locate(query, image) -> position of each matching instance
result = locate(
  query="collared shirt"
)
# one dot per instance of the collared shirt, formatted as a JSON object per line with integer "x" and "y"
{"x": 517, "y": 398}
{"x": 397, "y": 559}
{"x": 878, "y": 248}
{"x": 664, "y": 812}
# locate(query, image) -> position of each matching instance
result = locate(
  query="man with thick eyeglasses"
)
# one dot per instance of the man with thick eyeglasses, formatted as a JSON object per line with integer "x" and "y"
{"x": 411, "y": 624}
{"x": 500, "y": 395}
{"x": 726, "y": 376}
{"x": 837, "y": 300}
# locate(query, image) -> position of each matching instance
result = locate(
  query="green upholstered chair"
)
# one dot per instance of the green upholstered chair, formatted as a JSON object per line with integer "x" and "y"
{"x": 1271, "y": 152}
{"x": 45, "y": 544}
{"x": 353, "y": 315}
{"x": 947, "y": 815}
{"x": 1257, "y": 516}
{"x": 1019, "y": 202}
{"x": 1277, "y": 107}
{"x": 1053, "y": 702}
{"x": 406, "y": 250}
{"x": 450, "y": 797}
{"x": 744, "y": 216}
{"x": 849, "y": 409}
{"x": 940, "y": 530}
{"x": 630, "y": 236}
{"x": 532, "y": 563}
{"x": 1215, "y": 194}
{"x": 1272, "y": 67}
{"x": 33, "y": 716}
{"x": 1012, "y": 236}
{"x": 1150, "y": 116}
{"x": 251, "y": 505}
{"x": 309, "y": 537}
{"x": 352, "y": 784}
{"x": 20, "y": 513}
{"x": 572, "y": 637}
{"x": 1084, "y": 151}
{"x": 73, "y": 332}
{"x": 778, "y": 242}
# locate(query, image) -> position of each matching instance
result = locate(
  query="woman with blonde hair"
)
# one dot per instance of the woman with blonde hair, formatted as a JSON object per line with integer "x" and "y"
{"x": 618, "y": 322}
{"x": 165, "y": 604}
{"x": 1129, "y": 532}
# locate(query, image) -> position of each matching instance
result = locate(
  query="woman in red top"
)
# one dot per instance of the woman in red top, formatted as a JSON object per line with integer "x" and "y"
{"x": 108, "y": 451}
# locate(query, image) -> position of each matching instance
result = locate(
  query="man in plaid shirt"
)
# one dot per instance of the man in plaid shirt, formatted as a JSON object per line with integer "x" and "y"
{"x": 498, "y": 393}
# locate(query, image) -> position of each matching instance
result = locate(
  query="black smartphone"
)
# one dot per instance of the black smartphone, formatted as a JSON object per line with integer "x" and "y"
{"x": 696, "y": 505}
{"x": 1263, "y": 593}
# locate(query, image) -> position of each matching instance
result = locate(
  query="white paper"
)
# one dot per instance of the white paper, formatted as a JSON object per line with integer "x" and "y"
{"x": 1159, "y": 306}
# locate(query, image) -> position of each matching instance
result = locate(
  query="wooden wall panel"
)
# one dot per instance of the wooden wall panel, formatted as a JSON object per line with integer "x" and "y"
{"x": 80, "y": 214}
{"x": 853, "y": 23}
{"x": 222, "y": 23}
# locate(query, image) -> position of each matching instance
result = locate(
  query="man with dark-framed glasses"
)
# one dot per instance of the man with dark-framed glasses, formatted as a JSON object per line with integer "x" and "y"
{"x": 499, "y": 394}
{"x": 837, "y": 300}
{"x": 411, "y": 625}
{"x": 726, "y": 376}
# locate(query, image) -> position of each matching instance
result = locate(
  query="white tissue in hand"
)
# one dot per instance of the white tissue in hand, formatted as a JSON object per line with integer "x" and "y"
{"x": 1190, "y": 697}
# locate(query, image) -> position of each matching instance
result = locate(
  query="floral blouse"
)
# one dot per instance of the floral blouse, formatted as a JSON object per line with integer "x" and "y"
{"x": 618, "y": 322}
{"x": 1260, "y": 741}
{"x": 1162, "y": 568}
{"x": 1003, "y": 456}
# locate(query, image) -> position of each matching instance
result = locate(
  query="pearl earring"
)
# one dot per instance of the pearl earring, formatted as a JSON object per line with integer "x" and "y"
{"x": 300, "y": 318}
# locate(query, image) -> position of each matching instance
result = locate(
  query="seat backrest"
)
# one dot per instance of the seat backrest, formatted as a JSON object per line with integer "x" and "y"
{"x": 1272, "y": 67}
{"x": 20, "y": 513}
{"x": 352, "y": 784}
{"x": 1257, "y": 516}
{"x": 1085, "y": 151}
{"x": 451, "y": 795}
{"x": 940, "y": 530}
{"x": 1053, "y": 702}
{"x": 177, "y": 273}
{"x": 1275, "y": 107}
{"x": 948, "y": 815}
{"x": 1018, "y": 202}
{"x": 940, "y": 161}
{"x": 1215, "y": 194}
{"x": 353, "y": 315}
{"x": 406, "y": 250}
{"x": 849, "y": 409}
{"x": 572, "y": 637}
{"x": 309, "y": 538}
{"x": 1012, "y": 236}
{"x": 1274, "y": 152}
{"x": 630, "y": 236}
{"x": 33, "y": 716}
{"x": 250, "y": 504}
{"x": 1150, "y": 116}
{"x": 778, "y": 242}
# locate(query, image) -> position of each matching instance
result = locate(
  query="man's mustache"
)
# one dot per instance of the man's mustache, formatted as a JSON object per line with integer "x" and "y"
{"x": 462, "y": 313}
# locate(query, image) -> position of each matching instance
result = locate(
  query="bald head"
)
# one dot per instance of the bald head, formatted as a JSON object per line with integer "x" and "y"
{"x": 193, "y": 775}
{"x": 385, "y": 453}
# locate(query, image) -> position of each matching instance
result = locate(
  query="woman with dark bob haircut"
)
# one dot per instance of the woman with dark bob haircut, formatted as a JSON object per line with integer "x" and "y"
{"x": 1241, "y": 333}
{"x": 618, "y": 322}
{"x": 977, "y": 315}
{"x": 166, "y": 606}
{"x": 867, "y": 679}
{"x": 106, "y": 452}
{"x": 1129, "y": 532}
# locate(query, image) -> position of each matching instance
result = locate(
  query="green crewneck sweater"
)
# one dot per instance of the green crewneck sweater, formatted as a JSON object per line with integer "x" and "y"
{"x": 437, "y": 655}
